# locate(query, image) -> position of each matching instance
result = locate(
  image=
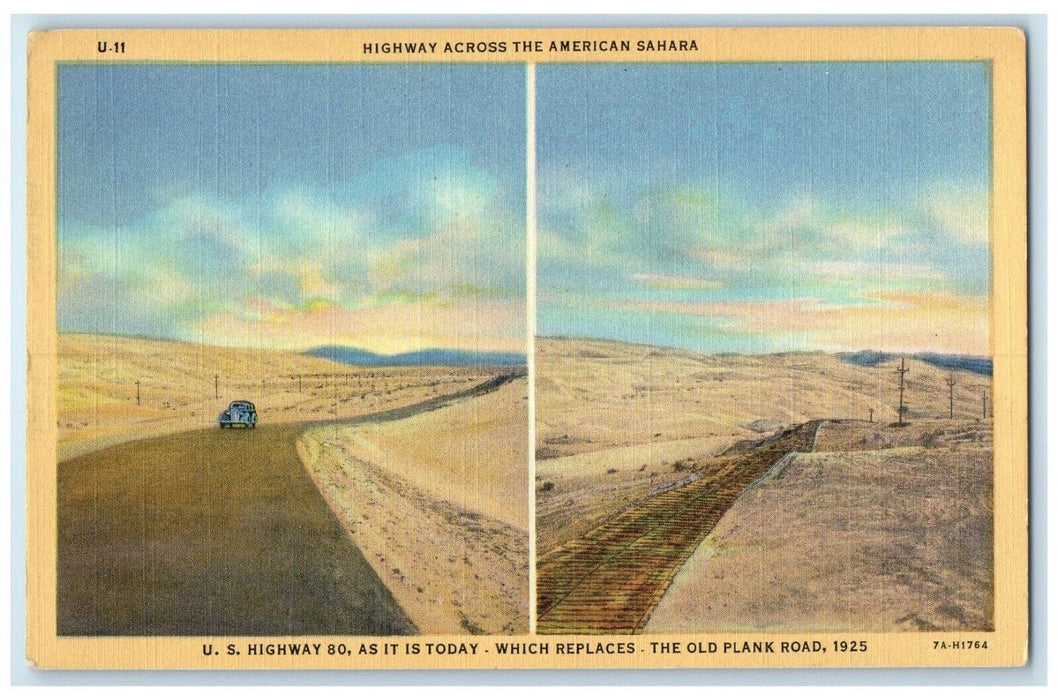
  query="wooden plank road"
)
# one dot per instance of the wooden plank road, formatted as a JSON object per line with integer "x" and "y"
{"x": 610, "y": 579}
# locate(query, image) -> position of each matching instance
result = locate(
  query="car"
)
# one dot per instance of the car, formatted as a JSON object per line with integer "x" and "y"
{"x": 239, "y": 413}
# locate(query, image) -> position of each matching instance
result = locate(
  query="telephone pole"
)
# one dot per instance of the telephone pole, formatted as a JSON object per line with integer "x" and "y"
{"x": 137, "y": 392}
{"x": 216, "y": 386}
{"x": 950, "y": 381}
{"x": 984, "y": 403}
{"x": 901, "y": 370}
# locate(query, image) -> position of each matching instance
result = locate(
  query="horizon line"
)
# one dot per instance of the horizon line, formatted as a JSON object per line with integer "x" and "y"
{"x": 302, "y": 350}
{"x": 802, "y": 351}
{"x": 524, "y": 354}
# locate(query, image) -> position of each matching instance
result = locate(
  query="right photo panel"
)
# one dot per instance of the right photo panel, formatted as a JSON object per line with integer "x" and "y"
{"x": 763, "y": 365}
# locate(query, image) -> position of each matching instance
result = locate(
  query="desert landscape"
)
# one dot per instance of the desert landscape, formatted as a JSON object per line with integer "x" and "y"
{"x": 439, "y": 503}
{"x": 800, "y": 501}
{"x": 169, "y": 525}
{"x": 184, "y": 386}
{"x": 367, "y": 295}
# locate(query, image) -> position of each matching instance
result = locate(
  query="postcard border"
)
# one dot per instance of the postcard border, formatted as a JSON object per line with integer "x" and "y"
{"x": 1009, "y": 330}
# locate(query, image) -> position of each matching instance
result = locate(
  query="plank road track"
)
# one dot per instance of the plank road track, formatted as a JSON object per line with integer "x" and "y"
{"x": 610, "y": 579}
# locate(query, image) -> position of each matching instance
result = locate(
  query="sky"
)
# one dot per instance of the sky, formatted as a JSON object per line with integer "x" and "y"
{"x": 286, "y": 206}
{"x": 759, "y": 208}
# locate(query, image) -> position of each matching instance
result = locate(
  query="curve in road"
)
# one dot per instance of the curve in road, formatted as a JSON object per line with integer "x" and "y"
{"x": 215, "y": 532}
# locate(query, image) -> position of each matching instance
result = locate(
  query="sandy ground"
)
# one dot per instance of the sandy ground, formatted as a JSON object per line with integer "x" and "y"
{"x": 438, "y": 503}
{"x": 473, "y": 454}
{"x": 868, "y": 540}
{"x": 616, "y": 421}
{"x": 594, "y": 395}
{"x": 98, "y": 375}
{"x": 886, "y": 528}
{"x": 575, "y": 493}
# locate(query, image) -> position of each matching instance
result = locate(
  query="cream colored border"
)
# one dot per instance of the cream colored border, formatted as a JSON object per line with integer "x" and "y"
{"x": 530, "y": 316}
{"x": 1003, "y": 47}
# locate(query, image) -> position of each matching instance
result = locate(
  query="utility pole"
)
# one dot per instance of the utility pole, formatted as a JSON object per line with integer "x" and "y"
{"x": 872, "y": 415}
{"x": 299, "y": 383}
{"x": 950, "y": 381}
{"x": 216, "y": 386}
{"x": 984, "y": 403}
{"x": 137, "y": 392}
{"x": 901, "y": 370}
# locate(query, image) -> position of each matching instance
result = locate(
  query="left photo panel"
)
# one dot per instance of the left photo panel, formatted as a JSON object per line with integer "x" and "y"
{"x": 290, "y": 306}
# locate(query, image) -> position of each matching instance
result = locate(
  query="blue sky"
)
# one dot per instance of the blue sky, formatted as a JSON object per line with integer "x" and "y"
{"x": 292, "y": 206}
{"x": 765, "y": 207}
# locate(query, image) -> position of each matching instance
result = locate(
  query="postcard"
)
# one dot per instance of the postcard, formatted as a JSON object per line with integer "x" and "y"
{"x": 527, "y": 348}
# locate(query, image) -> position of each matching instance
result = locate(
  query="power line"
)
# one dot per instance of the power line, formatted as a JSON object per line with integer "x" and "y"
{"x": 950, "y": 381}
{"x": 901, "y": 370}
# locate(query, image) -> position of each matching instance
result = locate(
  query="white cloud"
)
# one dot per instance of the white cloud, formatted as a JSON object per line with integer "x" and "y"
{"x": 295, "y": 250}
{"x": 961, "y": 214}
{"x": 676, "y": 281}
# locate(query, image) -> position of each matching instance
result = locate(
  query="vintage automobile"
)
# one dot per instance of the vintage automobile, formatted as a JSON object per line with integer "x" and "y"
{"x": 239, "y": 413}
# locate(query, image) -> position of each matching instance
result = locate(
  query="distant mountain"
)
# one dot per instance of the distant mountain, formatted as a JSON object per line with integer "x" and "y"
{"x": 865, "y": 358}
{"x": 966, "y": 363}
{"x": 430, "y": 357}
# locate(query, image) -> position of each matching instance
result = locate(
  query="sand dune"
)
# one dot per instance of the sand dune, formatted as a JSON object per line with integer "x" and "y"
{"x": 593, "y": 395}
{"x": 616, "y": 421}
{"x": 98, "y": 375}
{"x": 881, "y": 528}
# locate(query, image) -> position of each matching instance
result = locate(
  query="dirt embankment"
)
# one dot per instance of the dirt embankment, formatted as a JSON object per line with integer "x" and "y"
{"x": 438, "y": 503}
{"x": 889, "y": 530}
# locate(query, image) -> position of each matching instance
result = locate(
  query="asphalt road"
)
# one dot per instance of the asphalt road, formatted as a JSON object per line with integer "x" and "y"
{"x": 214, "y": 532}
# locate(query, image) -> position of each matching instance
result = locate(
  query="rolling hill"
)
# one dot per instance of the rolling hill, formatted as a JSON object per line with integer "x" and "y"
{"x": 431, "y": 357}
